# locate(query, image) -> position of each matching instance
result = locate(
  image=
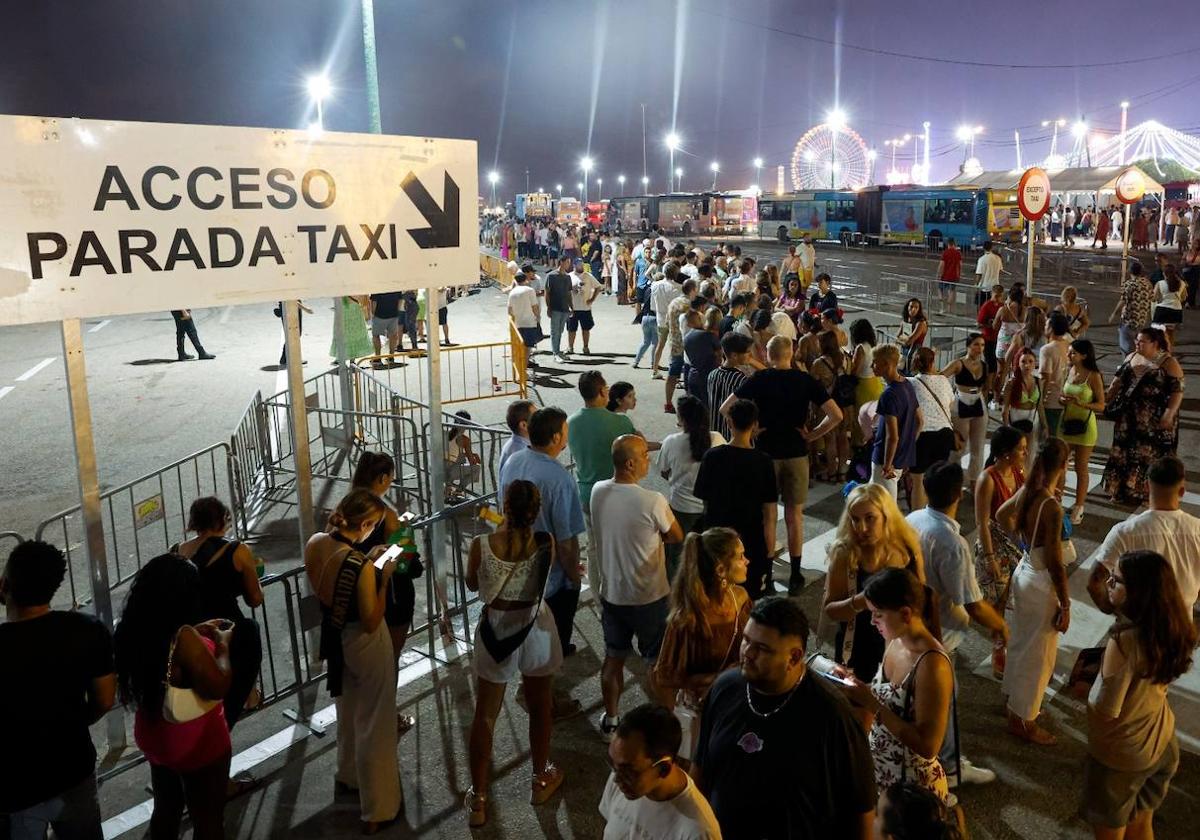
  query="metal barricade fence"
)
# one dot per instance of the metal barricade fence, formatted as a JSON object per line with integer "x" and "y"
{"x": 250, "y": 448}
{"x": 144, "y": 517}
{"x": 469, "y": 371}
{"x": 11, "y": 535}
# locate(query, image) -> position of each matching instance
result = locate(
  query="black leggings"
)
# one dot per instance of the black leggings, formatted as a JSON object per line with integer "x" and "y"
{"x": 245, "y": 657}
{"x": 202, "y": 791}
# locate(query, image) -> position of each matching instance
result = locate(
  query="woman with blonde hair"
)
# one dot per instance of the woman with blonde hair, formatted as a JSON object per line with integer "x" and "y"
{"x": 872, "y": 535}
{"x": 709, "y": 609}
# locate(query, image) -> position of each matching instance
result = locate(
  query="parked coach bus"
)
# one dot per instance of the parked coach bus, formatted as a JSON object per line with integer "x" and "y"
{"x": 705, "y": 214}
{"x": 568, "y": 211}
{"x": 970, "y": 215}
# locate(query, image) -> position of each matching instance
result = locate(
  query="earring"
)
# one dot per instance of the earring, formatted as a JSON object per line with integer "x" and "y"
{"x": 724, "y": 582}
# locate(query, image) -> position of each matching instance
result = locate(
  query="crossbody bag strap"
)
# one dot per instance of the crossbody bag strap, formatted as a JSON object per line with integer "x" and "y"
{"x": 936, "y": 400}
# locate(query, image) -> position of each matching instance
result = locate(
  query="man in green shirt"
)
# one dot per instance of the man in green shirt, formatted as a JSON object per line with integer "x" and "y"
{"x": 590, "y": 435}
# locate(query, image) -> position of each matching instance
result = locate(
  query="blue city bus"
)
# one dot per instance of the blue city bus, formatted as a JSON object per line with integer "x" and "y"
{"x": 820, "y": 214}
{"x": 931, "y": 215}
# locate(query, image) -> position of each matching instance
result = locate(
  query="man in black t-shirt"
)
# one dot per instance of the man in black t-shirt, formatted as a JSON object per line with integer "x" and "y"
{"x": 58, "y": 680}
{"x": 780, "y": 755}
{"x": 558, "y": 304}
{"x": 785, "y": 397}
{"x": 385, "y": 320}
{"x": 736, "y": 482}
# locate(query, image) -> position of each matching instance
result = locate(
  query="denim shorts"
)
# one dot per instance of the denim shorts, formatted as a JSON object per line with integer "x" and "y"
{"x": 676, "y": 368}
{"x": 621, "y": 623}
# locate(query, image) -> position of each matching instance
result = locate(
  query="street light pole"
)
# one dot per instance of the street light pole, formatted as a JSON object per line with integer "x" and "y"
{"x": 716, "y": 168}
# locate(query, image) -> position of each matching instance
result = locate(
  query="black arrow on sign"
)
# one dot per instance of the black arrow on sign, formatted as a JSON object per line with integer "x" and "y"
{"x": 443, "y": 221}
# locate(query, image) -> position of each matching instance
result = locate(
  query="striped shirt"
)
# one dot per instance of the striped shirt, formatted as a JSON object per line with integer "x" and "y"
{"x": 721, "y": 383}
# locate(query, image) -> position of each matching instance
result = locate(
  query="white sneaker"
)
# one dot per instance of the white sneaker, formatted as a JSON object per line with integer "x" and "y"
{"x": 972, "y": 775}
{"x": 558, "y": 360}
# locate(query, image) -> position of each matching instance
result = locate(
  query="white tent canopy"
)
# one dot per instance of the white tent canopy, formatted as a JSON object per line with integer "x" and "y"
{"x": 1094, "y": 179}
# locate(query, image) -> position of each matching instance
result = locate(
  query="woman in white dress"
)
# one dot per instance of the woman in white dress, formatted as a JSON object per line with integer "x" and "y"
{"x": 1040, "y": 603}
{"x": 516, "y": 634}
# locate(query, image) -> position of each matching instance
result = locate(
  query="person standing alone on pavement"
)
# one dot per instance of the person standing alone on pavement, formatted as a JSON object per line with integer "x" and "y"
{"x": 184, "y": 325}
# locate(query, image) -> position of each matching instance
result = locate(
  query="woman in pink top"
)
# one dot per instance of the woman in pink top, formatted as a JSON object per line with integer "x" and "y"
{"x": 175, "y": 670}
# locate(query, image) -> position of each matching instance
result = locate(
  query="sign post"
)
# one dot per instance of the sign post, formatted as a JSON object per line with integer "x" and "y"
{"x": 115, "y": 218}
{"x": 1033, "y": 197}
{"x": 1130, "y": 187}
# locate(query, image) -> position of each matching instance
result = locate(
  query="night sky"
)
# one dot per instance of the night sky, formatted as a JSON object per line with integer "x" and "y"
{"x": 541, "y": 82}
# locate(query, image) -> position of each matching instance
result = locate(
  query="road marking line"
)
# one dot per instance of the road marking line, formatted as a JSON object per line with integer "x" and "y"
{"x": 225, "y": 313}
{"x": 33, "y": 371}
{"x": 101, "y": 325}
{"x": 4, "y": 391}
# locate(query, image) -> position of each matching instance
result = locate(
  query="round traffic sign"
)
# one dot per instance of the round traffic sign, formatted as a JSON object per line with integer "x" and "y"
{"x": 1033, "y": 193}
{"x": 1131, "y": 186}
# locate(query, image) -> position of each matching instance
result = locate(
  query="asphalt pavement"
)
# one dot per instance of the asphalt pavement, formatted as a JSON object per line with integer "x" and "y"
{"x": 150, "y": 410}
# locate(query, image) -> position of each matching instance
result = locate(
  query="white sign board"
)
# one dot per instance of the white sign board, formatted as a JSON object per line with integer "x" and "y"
{"x": 108, "y": 218}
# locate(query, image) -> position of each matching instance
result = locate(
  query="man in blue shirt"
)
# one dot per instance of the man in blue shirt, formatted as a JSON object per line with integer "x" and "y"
{"x": 561, "y": 514}
{"x": 950, "y": 572}
{"x": 895, "y": 446}
{"x": 517, "y": 420}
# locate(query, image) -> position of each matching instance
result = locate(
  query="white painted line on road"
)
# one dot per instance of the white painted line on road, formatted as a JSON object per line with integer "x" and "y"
{"x": 101, "y": 325}
{"x": 254, "y": 755}
{"x": 33, "y": 371}
{"x": 225, "y": 313}
{"x": 4, "y": 391}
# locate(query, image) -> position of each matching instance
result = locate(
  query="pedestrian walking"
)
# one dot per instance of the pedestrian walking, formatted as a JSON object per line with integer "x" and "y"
{"x": 185, "y": 326}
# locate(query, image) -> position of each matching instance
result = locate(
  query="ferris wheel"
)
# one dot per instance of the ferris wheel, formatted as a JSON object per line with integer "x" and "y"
{"x": 829, "y": 157}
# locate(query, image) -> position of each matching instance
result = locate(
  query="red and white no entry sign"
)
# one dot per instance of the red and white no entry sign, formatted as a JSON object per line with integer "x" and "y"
{"x": 1033, "y": 193}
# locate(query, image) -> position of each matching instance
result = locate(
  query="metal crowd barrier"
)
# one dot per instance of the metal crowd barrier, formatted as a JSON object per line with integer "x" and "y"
{"x": 11, "y": 535}
{"x": 250, "y": 448}
{"x": 495, "y": 268}
{"x": 469, "y": 371}
{"x": 144, "y": 517}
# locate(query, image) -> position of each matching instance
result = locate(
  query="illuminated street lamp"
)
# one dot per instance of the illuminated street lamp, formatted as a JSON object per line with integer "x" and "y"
{"x": 493, "y": 179}
{"x": 621, "y": 181}
{"x": 558, "y": 189}
{"x": 966, "y": 135}
{"x": 678, "y": 179}
{"x": 600, "y": 189}
{"x": 672, "y": 141}
{"x": 645, "y": 183}
{"x": 586, "y": 166}
{"x": 716, "y": 168}
{"x": 319, "y": 90}
{"x": 758, "y": 165}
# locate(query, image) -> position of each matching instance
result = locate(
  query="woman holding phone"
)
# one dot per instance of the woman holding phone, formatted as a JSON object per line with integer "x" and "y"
{"x": 174, "y": 668}
{"x": 358, "y": 650}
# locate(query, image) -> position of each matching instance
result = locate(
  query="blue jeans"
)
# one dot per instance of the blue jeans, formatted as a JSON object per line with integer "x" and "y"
{"x": 1126, "y": 336}
{"x": 74, "y": 815}
{"x": 558, "y": 320}
{"x": 649, "y": 337}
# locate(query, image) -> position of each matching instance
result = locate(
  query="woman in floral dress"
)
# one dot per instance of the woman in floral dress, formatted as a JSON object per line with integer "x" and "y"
{"x": 1144, "y": 397}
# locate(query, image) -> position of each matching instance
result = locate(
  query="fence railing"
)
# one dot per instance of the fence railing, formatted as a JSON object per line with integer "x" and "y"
{"x": 144, "y": 517}
{"x": 13, "y": 536}
{"x": 469, "y": 371}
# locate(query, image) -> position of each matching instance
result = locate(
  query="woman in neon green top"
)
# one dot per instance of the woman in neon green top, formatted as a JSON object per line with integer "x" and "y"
{"x": 1082, "y": 397}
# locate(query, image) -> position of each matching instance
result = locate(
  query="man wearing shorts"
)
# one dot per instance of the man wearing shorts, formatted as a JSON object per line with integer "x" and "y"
{"x": 949, "y": 272}
{"x": 385, "y": 321}
{"x": 784, "y": 397}
{"x": 584, "y": 291}
{"x": 632, "y": 525}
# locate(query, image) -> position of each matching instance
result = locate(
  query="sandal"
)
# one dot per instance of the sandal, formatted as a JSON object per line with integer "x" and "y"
{"x": 238, "y": 784}
{"x": 1029, "y": 731}
{"x": 476, "y": 805}
{"x": 546, "y": 783}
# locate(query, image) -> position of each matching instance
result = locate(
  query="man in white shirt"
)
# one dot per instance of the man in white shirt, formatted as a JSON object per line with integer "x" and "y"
{"x": 648, "y": 794}
{"x": 1053, "y": 368}
{"x": 987, "y": 271}
{"x": 661, "y": 294}
{"x": 631, "y": 525}
{"x": 524, "y": 309}
{"x": 585, "y": 288}
{"x": 808, "y": 262}
{"x": 1163, "y": 528}
{"x": 950, "y": 572}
